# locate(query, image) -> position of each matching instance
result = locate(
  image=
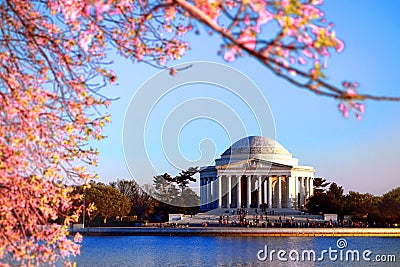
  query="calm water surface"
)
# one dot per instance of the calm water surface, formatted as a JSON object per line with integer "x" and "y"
{"x": 229, "y": 251}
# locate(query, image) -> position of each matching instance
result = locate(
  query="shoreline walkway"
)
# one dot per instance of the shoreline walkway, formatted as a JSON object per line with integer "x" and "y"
{"x": 238, "y": 231}
{"x": 209, "y": 224}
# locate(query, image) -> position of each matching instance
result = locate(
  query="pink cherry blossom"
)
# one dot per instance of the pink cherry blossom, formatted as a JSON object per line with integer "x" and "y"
{"x": 339, "y": 46}
{"x": 230, "y": 55}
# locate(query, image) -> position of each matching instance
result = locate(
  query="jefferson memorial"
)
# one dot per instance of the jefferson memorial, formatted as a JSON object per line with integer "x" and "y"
{"x": 256, "y": 172}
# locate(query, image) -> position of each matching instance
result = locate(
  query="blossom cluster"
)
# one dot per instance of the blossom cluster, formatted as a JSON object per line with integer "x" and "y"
{"x": 292, "y": 38}
{"x": 53, "y": 62}
{"x": 351, "y": 102}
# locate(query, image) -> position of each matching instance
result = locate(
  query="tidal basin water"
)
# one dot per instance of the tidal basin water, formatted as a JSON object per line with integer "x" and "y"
{"x": 237, "y": 251}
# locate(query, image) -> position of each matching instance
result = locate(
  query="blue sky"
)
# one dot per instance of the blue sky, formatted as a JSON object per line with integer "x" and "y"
{"x": 359, "y": 155}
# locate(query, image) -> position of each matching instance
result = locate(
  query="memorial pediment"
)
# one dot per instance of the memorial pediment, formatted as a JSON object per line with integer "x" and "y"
{"x": 254, "y": 164}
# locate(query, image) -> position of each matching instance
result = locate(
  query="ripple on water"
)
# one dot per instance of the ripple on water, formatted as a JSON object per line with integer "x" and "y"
{"x": 223, "y": 251}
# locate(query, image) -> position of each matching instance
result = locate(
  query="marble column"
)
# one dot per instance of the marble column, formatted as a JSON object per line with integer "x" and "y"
{"x": 216, "y": 192}
{"x": 265, "y": 190}
{"x": 270, "y": 192}
{"x": 201, "y": 193}
{"x": 301, "y": 192}
{"x": 296, "y": 186}
{"x": 205, "y": 193}
{"x": 291, "y": 183}
{"x": 239, "y": 192}
{"x": 259, "y": 197}
{"x": 288, "y": 196}
{"x": 305, "y": 189}
{"x": 248, "y": 191}
{"x": 311, "y": 186}
{"x": 229, "y": 191}
{"x": 212, "y": 192}
{"x": 279, "y": 192}
{"x": 219, "y": 191}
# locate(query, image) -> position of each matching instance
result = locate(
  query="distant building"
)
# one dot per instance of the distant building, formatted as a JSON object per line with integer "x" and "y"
{"x": 256, "y": 172}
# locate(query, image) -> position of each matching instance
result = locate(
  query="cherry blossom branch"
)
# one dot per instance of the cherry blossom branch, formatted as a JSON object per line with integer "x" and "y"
{"x": 314, "y": 84}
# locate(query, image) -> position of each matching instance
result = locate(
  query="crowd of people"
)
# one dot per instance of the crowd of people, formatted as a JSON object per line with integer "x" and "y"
{"x": 241, "y": 217}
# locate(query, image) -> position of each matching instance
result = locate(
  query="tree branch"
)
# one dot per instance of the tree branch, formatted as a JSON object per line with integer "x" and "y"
{"x": 314, "y": 85}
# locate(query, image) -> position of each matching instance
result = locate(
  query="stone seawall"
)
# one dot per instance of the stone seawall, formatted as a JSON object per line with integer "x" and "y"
{"x": 238, "y": 231}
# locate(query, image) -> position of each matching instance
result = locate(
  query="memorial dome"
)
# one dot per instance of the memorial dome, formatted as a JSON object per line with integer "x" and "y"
{"x": 255, "y": 145}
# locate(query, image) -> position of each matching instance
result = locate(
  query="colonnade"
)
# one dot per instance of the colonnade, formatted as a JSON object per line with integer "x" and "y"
{"x": 255, "y": 191}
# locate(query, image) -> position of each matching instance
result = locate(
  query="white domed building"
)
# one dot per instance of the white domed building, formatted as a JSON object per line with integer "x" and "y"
{"x": 256, "y": 172}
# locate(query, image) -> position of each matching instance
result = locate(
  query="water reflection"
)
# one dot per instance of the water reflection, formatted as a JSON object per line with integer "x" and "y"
{"x": 222, "y": 251}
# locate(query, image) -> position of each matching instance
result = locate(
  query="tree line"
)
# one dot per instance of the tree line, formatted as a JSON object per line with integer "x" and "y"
{"x": 125, "y": 201}
{"x": 362, "y": 207}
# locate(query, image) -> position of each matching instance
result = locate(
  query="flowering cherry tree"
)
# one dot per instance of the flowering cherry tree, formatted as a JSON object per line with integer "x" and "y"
{"x": 53, "y": 62}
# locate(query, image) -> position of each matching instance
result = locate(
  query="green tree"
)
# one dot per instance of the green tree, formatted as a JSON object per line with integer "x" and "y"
{"x": 170, "y": 199}
{"x": 190, "y": 198}
{"x": 320, "y": 185}
{"x": 391, "y": 205}
{"x": 142, "y": 203}
{"x": 182, "y": 180}
{"x": 109, "y": 201}
{"x": 331, "y": 201}
{"x": 336, "y": 198}
{"x": 318, "y": 203}
{"x": 165, "y": 190}
{"x": 185, "y": 177}
{"x": 360, "y": 206}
